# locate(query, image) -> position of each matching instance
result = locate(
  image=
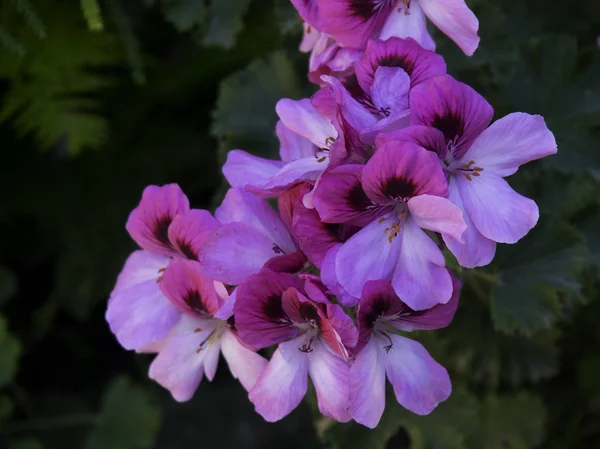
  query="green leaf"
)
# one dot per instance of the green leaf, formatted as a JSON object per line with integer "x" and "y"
{"x": 26, "y": 443}
{"x": 225, "y": 22}
{"x": 588, "y": 374}
{"x": 244, "y": 116}
{"x": 184, "y": 14}
{"x": 536, "y": 278}
{"x": 128, "y": 419}
{"x": 92, "y": 14}
{"x": 515, "y": 422}
{"x": 8, "y": 285}
{"x": 10, "y": 351}
{"x": 6, "y": 408}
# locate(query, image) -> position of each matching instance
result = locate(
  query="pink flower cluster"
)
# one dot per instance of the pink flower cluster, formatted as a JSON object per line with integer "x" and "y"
{"x": 388, "y": 164}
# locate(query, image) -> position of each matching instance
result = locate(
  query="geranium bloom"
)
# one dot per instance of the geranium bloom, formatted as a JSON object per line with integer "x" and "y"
{"x": 353, "y": 22}
{"x": 420, "y": 383}
{"x": 400, "y": 191}
{"x": 251, "y": 236}
{"x": 165, "y": 227}
{"x": 377, "y": 98}
{"x": 204, "y": 330}
{"x": 313, "y": 336}
{"x": 477, "y": 158}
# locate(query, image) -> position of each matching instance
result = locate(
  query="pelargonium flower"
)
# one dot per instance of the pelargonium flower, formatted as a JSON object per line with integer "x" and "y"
{"x": 398, "y": 193}
{"x": 251, "y": 236}
{"x": 420, "y": 383}
{"x": 354, "y": 22}
{"x": 376, "y": 99}
{"x": 454, "y": 121}
{"x": 165, "y": 227}
{"x": 205, "y": 329}
{"x": 328, "y": 57}
{"x": 313, "y": 336}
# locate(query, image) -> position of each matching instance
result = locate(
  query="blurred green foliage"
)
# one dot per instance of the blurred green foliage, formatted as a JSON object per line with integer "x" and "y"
{"x": 99, "y": 99}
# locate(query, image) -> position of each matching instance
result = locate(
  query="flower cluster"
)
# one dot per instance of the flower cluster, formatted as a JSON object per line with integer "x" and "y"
{"x": 391, "y": 163}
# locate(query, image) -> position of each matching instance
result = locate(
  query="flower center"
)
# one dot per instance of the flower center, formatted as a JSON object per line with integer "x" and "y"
{"x": 404, "y": 7}
{"x": 468, "y": 170}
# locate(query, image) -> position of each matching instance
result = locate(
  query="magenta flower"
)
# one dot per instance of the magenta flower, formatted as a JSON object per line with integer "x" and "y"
{"x": 401, "y": 191}
{"x": 204, "y": 330}
{"x": 477, "y": 158}
{"x": 313, "y": 336}
{"x": 377, "y": 98}
{"x": 165, "y": 227}
{"x": 354, "y": 22}
{"x": 420, "y": 383}
{"x": 251, "y": 236}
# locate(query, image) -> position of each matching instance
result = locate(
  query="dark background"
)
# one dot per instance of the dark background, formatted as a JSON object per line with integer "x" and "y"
{"x": 160, "y": 94}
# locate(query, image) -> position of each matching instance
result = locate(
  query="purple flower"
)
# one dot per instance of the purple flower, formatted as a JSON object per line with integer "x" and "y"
{"x": 327, "y": 57}
{"x": 251, "y": 236}
{"x": 204, "y": 330}
{"x": 420, "y": 383}
{"x": 451, "y": 119}
{"x": 313, "y": 337}
{"x": 354, "y": 22}
{"x": 401, "y": 191}
{"x": 165, "y": 227}
{"x": 377, "y": 98}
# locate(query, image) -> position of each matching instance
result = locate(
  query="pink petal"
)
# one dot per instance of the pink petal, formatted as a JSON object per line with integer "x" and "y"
{"x": 179, "y": 366}
{"x": 188, "y": 289}
{"x": 292, "y": 145}
{"x": 420, "y": 383}
{"x": 452, "y": 107}
{"x": 189, "y": 232}
{"x": 302, "y": 118}
{"x": 283, "y": 383}
{"x": 420, "y": 64}
{"x": 242, "y": 169}
{"x": 420, "y": 277}
{"x": 511, "y": 142}
{"x": 244, "y": 207}
{"x": 287, "y": 203}
{"x": 148, "y": 223}
{"x": 329, "y": 375}
{"x": 456, "y": 21}
{"x": 245, "y": 364}
{"x": 496, "y": 210}
{"x": 407, "y": 23}
{"x": 367, "y": 386}
{"x": 476, "y": 251}
{"x": 329, "y": 278}
{"x": 429, "y": 138}
{"x": 366, "y": 256}
{"x": 308, "y": 10}
{"x": 437, "y": 214}
{"x": 139, "y": 267}
{"x": 236, "y": 251}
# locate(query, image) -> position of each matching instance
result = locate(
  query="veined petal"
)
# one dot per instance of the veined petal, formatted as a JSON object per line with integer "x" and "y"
{"x": 496, "y": 210}
{"x": 301, "y": 117}
{"x": 244, "y": 363}
{"x": 476, "y": 251}
{"x": 283, "y": 383}
{"x": 329, "y": 375}
{"x": 140, "y": 315}
{"x": 339, "y": 197}
{"x": 189, "y": 231}
{"x": 420, "y": 277}
{"x": 367, "y": 386}
{"x": 431, "y": 139}
{"x": 148, "y": 224}
{"x": 242, "y": 169}
{"x": 244, "y": 207}
{"x": 454, "y": 108}
{"x": 402, "y": 170}
{"x": 236, "y": 251}
{"x": 421, "y": 65}
{"x": 179, "y": 366}
{"x": 511, "y": 142}
{"x": 390, "y": 89}
{"x": 189, "y": 289}
{"x": 437, "y": 214}
{"x": 456, "y": 21}
{"x": 420, "y": 383}
{"x": 367, "y": 255}
{"x": 408, "y": 22}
